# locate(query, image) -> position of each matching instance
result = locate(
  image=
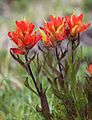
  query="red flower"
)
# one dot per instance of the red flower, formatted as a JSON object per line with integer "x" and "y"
{"x": 75, "y": 24}
{"x": 89, "y": 69}
{"x": 54, "y": 31}
{"x": 24, "y": 37}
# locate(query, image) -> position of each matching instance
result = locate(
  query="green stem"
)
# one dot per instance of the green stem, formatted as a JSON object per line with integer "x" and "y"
{"x": 60, "y": 69}
{"x": 72, "y": 51}
{"x": 31, "y": 74}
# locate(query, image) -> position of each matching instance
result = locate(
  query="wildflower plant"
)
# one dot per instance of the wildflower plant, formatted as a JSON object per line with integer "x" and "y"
{"x": 55, "y": 64}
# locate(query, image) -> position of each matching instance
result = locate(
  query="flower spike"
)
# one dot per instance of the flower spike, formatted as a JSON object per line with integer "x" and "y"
{"x": 75, "y": 24}
{"x": 53, "y": 31}
{"x": 24, "y": 37}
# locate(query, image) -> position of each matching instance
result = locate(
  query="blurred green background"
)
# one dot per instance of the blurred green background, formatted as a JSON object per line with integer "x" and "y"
{"x": 16, "y": 101}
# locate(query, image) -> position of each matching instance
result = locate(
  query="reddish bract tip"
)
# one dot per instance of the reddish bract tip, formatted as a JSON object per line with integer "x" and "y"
{"x": 89, "y": 69}
{"x": 18, "y": 51}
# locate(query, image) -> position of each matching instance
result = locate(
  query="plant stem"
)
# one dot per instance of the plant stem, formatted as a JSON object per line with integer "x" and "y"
{"x": 31, "y": 74}
{"x": 60, "y": 69}
{"x": 59, "y": 62}
{"x": 41, "y": 93}
{"x": 72, "y": 51}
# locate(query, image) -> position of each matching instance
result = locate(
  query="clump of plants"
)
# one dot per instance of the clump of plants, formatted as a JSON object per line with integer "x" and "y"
{"x": 55, "y": 65}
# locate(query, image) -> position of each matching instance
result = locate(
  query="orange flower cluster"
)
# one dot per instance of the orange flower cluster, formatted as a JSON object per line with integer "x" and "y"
{"x": 75, "y": 24}
{"x": 54, "y": 30}
{"x": 60, "y": 28}
{"x": 24, "y": 37}
{"x": 57, "y": 29}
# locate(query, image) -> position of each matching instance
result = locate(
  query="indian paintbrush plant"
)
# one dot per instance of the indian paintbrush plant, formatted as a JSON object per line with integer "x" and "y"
{"x": 57, "y": 64}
